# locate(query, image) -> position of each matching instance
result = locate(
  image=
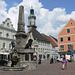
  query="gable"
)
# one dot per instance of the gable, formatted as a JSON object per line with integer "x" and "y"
{"x": 70, "y": 25}
{"x": 7, "y": 24}
{"x": 30, "y": 36}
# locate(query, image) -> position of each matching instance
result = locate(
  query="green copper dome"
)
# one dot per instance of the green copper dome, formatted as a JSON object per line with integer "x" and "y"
{"x": 32, "y": 13}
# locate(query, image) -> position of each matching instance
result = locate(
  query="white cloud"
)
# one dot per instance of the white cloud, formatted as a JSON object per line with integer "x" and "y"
{"x": 48, "y": 22}
{"x": 3, "y": 13}
{"x": 15, "y": 4}
{"x": 53, "y": 21}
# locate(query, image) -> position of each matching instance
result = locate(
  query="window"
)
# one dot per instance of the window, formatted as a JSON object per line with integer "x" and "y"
{"x": 71, "y": 23}
{"x": 68, "y": 38}
{"x": 40, "y": 56}
{"x": 68, "y": 30}
{"x": 61, "y": 39}
{"x": 44, "y": 56}
{"x": 3, "y": 45}
{"x": 0, "y": 34}
{"x": 48, "y": 55}
{"x": 8, "y": 24}
{"x": 27, "y": 56}
{"x": 31, "y": 56}
{"x": 9, "y": 46}
{"x": 70, "y": 47}
{"x": 74, "y": 29}
{"x": 61, "y": 47}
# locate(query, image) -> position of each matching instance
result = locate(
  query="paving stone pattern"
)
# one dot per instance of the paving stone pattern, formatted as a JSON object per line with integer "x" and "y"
{"x": 45, "y": 69}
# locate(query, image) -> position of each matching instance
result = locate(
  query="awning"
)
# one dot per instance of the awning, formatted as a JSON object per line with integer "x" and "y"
{"x": 4, "y": 53}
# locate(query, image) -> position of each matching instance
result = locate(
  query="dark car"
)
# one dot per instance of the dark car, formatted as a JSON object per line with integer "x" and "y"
{"x": 3, "y": 62}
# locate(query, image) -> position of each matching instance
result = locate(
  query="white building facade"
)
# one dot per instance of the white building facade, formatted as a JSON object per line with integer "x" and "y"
{"x": 42, "y": 49}
{"x": 54, "y": 51}
{"x": 7, "y": 35}
{"x": 53, "y": 46}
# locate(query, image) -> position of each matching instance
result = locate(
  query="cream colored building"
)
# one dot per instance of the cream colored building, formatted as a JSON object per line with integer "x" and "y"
{"x": 7, "y": 35}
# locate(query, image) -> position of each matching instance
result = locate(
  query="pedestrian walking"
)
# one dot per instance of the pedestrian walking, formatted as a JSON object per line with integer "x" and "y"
{"x": 64, "y": 63}
{"x": 55, "y": 60}
{"x": 51, "y": 60}
{"x": 39, "y": 61}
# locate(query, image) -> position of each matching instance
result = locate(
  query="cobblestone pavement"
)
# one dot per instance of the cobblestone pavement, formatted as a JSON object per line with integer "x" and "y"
{"x": 45, "y": 69}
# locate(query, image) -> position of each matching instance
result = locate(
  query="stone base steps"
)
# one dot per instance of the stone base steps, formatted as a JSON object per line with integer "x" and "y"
{"x": 13, "y": 68}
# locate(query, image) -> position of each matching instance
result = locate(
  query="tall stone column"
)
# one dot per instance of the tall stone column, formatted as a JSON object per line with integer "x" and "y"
{"x": 20, "y": 35}
{"x": 21, "y": 23}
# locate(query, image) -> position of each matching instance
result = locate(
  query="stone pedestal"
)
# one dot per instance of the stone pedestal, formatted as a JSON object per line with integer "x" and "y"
{"x": 26, "y": 59}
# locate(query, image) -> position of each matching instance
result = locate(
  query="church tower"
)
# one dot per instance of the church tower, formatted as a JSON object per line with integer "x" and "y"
{"x": 31, "y": 20}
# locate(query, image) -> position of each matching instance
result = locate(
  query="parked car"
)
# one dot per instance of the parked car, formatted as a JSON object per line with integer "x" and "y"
{"x": 59, "y": 59}
{"x": 3, "y": 62}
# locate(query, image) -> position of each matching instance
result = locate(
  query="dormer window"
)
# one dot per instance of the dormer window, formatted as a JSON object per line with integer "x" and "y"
{"x": 8, "y": 24}
{"x": 71, "y": 23}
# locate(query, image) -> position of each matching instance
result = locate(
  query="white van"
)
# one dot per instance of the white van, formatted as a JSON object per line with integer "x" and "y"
{"x": 68, "y": 57}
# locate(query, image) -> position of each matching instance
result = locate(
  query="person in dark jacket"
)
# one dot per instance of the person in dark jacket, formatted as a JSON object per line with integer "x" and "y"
{"x": 51, "y": 60}
{"x": 39, "y": 61}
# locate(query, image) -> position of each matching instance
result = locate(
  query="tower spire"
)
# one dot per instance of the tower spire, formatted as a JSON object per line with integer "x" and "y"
{"x": 21, "y": 23}
{"x": 31, "y": 11}
{"x": 32, "y": 20}
{"x": 31, "y": 7}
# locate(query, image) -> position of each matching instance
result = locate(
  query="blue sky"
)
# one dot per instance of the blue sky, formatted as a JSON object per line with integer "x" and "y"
{"x": 69, "y": 5}
{"x": 51, "y": 15}
{"x": 10, "y": 3}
